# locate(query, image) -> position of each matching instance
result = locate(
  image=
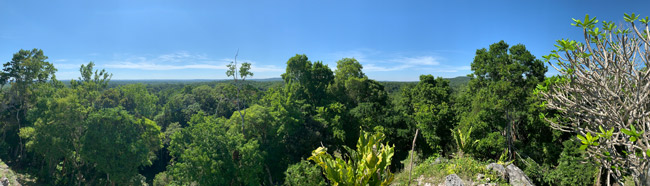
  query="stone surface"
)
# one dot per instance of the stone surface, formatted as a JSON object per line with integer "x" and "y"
{"x": 499, "y": 169}
{"x": 453, "y": 180}
{"x": 439, "y": 160}
{"x": 479, "y": 177}
{"x": 517, "y": 177}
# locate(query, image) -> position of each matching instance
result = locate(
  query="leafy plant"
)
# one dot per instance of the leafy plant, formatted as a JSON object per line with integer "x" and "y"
{"x": 368, "y": 165}
{"x": 463, "y": 141}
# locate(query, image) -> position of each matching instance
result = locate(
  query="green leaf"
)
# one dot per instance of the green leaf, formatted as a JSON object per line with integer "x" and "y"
{"x": 628, "y": 132}
{"x": 633, "y": 139}
{"x": 583, "y": 147}
{"x": 630, "y": 18}
{"x": 583, "y": 139}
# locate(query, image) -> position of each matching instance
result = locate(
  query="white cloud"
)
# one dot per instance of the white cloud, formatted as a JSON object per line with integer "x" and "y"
{"x": 419, "y": 60}
{"x": 449, "y": 69}
{"x": 375, "y": 68}
{"x": 377, "y": 61}
{"x": 153, "y": 66}
{"x": 183, "y": 60}
{"x": 266, "y": 68}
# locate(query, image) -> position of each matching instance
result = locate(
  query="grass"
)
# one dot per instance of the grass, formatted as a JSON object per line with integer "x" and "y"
{"x": 467, "y": 168}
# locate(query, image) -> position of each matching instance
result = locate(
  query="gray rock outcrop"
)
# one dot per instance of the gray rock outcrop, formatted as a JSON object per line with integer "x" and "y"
{"x": 517, "y": 176}
{"x": 499, "y": 169}
{"x": 453, "y": 180}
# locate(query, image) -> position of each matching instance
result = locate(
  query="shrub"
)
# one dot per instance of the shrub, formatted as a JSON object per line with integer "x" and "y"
{"x": 304, "y": 173}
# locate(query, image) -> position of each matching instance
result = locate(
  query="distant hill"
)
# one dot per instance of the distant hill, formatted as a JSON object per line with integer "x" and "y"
{"x": 458, "y": 82}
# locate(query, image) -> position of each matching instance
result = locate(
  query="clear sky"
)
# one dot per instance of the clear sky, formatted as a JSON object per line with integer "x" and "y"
{"x": 394, "y": 40}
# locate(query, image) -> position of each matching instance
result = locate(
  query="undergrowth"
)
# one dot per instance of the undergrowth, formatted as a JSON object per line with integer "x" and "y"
{"x": 467, "y": 168}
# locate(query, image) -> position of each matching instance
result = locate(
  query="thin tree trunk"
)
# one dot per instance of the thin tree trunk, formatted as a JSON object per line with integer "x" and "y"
{"x": 608, "y": 176}
{"x": 412, "y": 150}
{"x": 600, "y": 174}
{"x": 269, "y": 172}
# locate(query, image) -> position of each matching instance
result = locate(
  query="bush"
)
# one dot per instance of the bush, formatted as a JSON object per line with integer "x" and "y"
{"x": 572, "y": 168}
{"x": 303, "y": 173}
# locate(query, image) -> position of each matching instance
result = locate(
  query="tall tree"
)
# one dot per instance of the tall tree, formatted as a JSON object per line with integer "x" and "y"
{"x": 503, "y": 79}
{"x": 27, "y": 69}
{"x": 430, "y": 101}
{"x": 118, "y": 144}
{"x": 243, "y": 72}
{"x": 208, "y": 153}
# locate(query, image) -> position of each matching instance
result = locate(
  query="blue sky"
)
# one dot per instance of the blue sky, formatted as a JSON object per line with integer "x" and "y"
{"x": 394, "y": 40}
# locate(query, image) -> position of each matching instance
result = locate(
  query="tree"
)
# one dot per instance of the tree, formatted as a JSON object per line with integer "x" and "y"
{"x": 243, "y": 73}
{"x": 367, "y": 165}
{"x": 138, "y": 101}
{"x": 207, "y": 153}
{"x": 59, "y": 118}
{"x": 27, "y": 69}
{"x": 263, "y": 129}
{"x": 497, "y": 97}
{"x": 98, "y": 81}
{"x": 602, "y": 94}
{"x": 430, "y": 101}
{"x": 118, "y": 144}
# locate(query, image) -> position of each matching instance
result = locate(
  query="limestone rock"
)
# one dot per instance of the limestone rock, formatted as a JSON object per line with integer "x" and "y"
{"x": 499, "y": 169}
{"x": 517, "y": 176}
{"x": 453, "y": 180}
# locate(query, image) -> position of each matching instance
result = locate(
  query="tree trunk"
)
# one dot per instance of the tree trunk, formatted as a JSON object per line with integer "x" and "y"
{"x": 642, "y": 179}
{"x": 269, "y": 172}
{"x": 412, "y": 149}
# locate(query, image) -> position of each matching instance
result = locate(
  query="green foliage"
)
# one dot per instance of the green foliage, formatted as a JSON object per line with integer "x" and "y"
{"x": 367, "y": 165}
{"x": 118, "y": 144}
{"x": 570, "y": 170}
{"x": 435, "y": 168}
{"x": 162, "y": 179}
{"x": 100, "y": 132}
{"x": 431, "y": 101}
{"x": 588, "y": 140}
{"x": 97, "y": 82}
{"x": 25, "y": 73}
{"x": 499, "y": 100}
{"x": 304, "y": 173}
{"x": 463, "y": 141}
{"x": 207, "y": 153}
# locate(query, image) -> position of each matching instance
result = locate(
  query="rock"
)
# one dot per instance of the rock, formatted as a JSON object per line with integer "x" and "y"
{"x": 439, "y": 160}
{"x": 4, "y": 181}
{"x": 517, "y": 176}
{"x": 499, "y": 169}
{"x": 479, "y": 176}
{"x": 453, "y": 180}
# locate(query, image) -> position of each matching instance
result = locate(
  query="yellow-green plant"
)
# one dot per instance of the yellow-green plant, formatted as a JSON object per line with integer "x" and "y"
{"x": 463, "y": 141}
{"x": 368, "y": 165}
